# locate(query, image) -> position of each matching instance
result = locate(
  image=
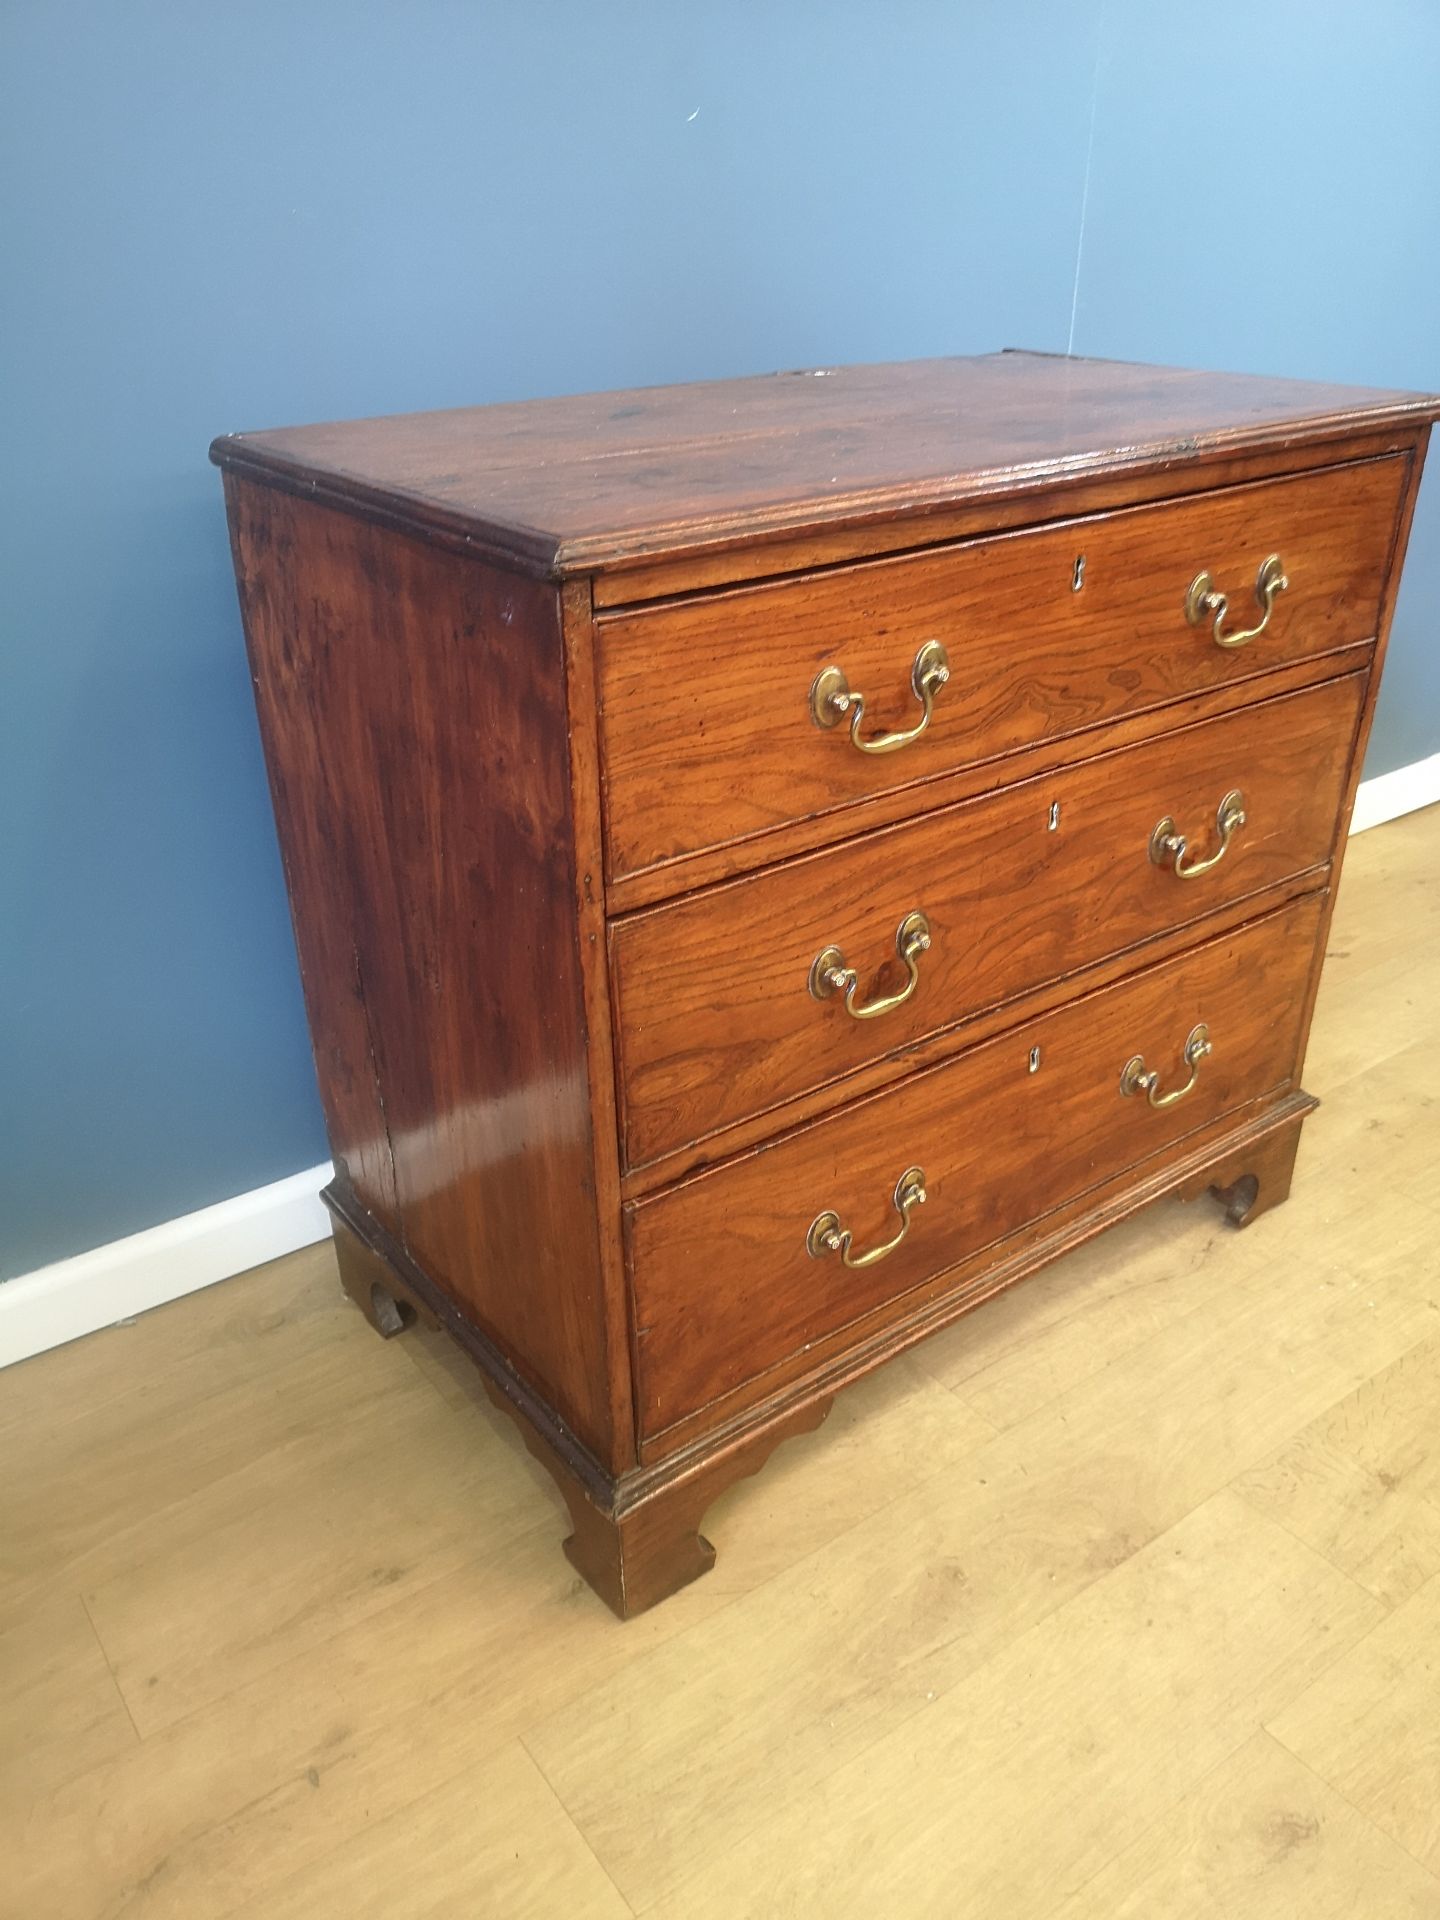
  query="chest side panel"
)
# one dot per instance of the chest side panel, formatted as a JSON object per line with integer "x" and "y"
{"x": 412, "y": 704}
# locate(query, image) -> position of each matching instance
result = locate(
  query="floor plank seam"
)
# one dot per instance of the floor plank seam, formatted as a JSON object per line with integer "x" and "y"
{"x": 1275, "y": 1520}
{"x": 741, "y": 1829}
{"x": 957, "y": 1392}
{"x": 153, "y": 1519}
{"x": 1165, "y": 1815}
{"x": 1123, "y": 1357}
{"x": 1251, "y": 1462}
{"x": 1393, "y": 1839}
{"x": 232, "y": 1818}
{"x": 114, "y": 1678}
{"x": 579, "y": 1831}
{"x": 1335, "y": 1652}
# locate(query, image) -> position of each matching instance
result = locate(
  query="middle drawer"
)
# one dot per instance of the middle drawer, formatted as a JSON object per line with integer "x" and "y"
{"x": 738, "y": 998}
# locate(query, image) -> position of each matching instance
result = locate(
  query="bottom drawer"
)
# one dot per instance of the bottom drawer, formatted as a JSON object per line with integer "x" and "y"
{"x": 748, "y": 1263}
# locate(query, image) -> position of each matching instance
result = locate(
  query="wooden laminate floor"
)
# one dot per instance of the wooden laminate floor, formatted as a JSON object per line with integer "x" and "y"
{"x": 1120, "y": 1598}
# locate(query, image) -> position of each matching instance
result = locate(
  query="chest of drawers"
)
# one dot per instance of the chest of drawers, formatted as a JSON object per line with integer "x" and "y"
{"x": 774, "y": 862}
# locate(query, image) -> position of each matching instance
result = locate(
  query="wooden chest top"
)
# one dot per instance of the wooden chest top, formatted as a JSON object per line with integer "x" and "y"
{"x": 595, "y": 481}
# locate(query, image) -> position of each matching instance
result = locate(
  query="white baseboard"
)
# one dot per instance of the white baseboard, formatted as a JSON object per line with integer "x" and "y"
{"x": 115, "y": 1282}
{"x": 1389, "y": 795}
{"x": 127, "y": 1277}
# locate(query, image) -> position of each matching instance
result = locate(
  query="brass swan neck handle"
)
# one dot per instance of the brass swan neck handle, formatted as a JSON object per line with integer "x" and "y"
{"x": 1136, "y": 1077}
{"x": 827, "y": 1236}
{"x": 829, "y": 974}
{"x": 1204, "y": 601}
{"x": 1169, "y": 847}
{"x": 831, "y": 700}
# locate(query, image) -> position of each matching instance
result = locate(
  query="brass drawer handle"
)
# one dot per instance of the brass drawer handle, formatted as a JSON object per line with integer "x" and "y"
{"x": 1204, "y": 602}
{"x": 829, "y": 974}
{"x": 827, "y": 1236}
{"x": 831, "y": 699}
{"x": 1137, "y": 1078}
{"x": 1168, "y": 846}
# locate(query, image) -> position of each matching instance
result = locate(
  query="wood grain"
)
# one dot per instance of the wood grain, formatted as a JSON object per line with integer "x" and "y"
{"x": 1020, "y": 504}
{"x": 582, "y": 727}
{"x": 696, "y": 691}
{"x": 723, "y": 1284}
{"x": 1362, "y": 1484}
{"x": 712, "y": 1007}
{"x": 897, "y": 1553}
{"x": 481, "y": 783}
{"x": 598, "y": 480}
{"x": 826, "y": 1661}
{"x": 412, "y": 706}
{"x": 267, "y": 1359}
{"x": 493, "y": 1839}
{"x": 1368, "y": 1726}
{"x": 1263, "y": 1837}
{"x": 753, "y": 1130}
{"x": 56, "y": 1684}
{"x": 629, "y": 892}
{"x": 834, "y": 1361}
{"x": 1060, "y": 1728}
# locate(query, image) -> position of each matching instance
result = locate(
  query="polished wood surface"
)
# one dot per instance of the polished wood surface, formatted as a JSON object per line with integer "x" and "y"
{"x": 589, "y": 482}
{"x": 712, "y": 1006}
{"x": 1117, "y": 1601}
{"x": 412, "y": 708}
{"x": 724, "y": 1286}
{"x": 707, "y": 728}
{"x": 628, "y": 893}
{"x": 1101, "y": 491}
{"x": 1264, "y": 1135}
{"x": 534, "y": 686}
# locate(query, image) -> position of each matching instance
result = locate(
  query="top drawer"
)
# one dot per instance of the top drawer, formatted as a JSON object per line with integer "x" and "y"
{"x": 707, "y": 724}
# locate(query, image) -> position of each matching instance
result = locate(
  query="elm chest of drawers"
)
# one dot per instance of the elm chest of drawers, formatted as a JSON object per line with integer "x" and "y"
{"x": 774, "y": 862}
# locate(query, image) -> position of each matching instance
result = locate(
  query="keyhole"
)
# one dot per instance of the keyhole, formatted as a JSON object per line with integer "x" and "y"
{"x": 1054, "y": 815}
{"x": 1034, "y": 1059}
{"x": 1077, "y": 578}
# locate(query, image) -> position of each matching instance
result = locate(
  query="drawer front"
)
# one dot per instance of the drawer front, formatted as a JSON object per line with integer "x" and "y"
{"x": 724, "y": 1286}
{"x": 707, "y": 729}
{"x": 716, "y": 1015}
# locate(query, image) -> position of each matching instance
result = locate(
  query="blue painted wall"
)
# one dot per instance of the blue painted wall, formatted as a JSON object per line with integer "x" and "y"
{"x": 217, "y": 218}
